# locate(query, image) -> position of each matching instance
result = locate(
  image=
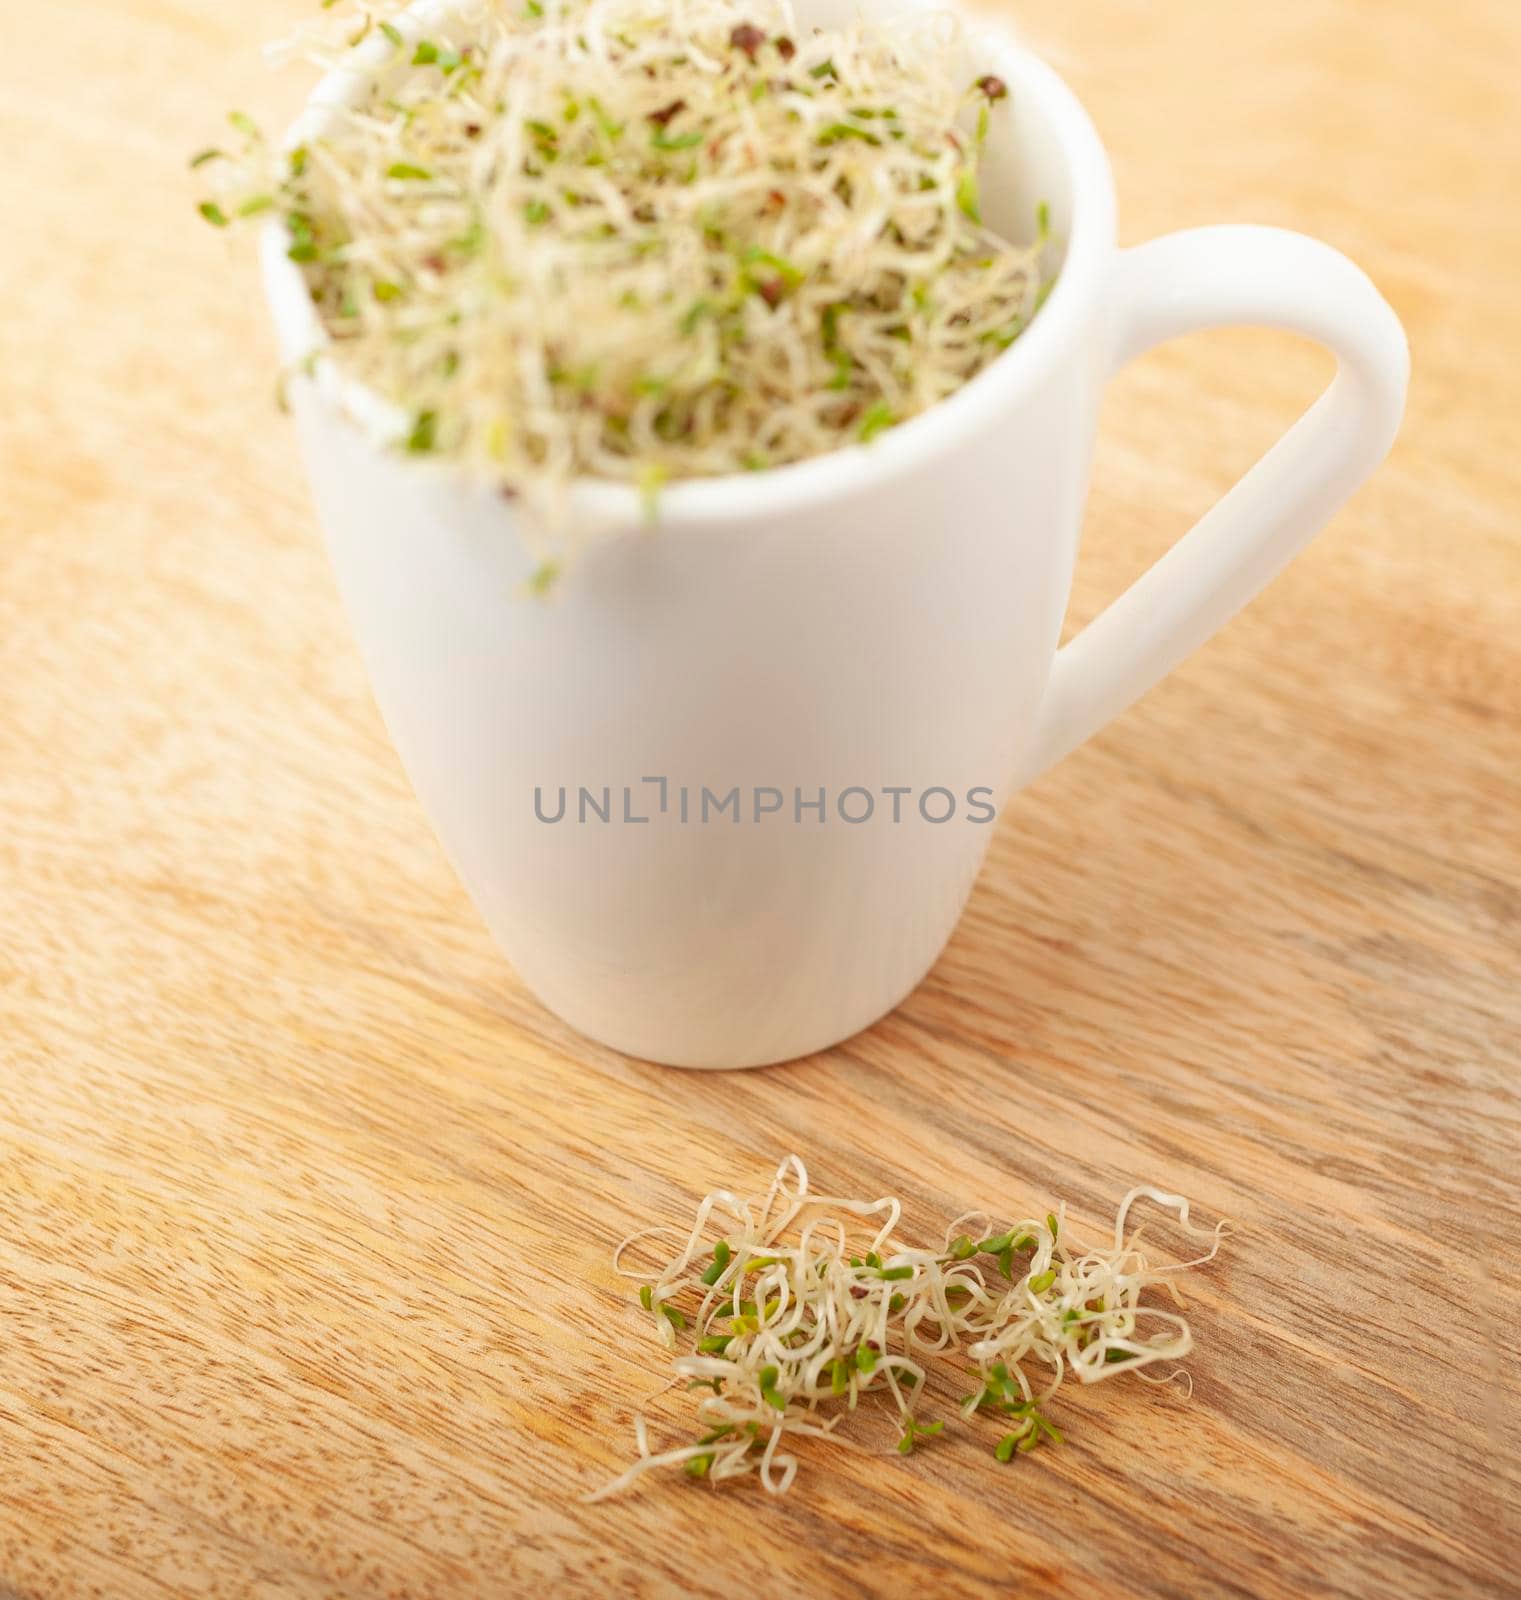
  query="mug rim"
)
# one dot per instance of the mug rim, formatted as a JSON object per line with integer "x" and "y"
{"x": 912, "y": 446}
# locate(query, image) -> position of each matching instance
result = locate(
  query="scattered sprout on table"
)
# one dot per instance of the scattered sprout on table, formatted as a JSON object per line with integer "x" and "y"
{"x": 801, "y": 1306}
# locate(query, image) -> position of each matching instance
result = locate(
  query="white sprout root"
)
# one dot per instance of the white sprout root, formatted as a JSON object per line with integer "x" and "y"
{"x": 784, "y": 1310}
{"x": 637, "y": 240}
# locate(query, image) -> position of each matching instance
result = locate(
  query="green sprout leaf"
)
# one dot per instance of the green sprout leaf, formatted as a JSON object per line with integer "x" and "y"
{"x": 300, "y": 226}
{"x": 424, "y": 438}
{"x": 838, "y": 131}
{"x": 650, "y": 480}
{"x": 1005, "y": 336}
{"x": 540, "y": 582}
{"x": 879, "y": 416}
{"x": 661, "y": 140}
{"x": 213, "y": 213}
{"x": 719, "y": 1263}
{"x": 610, "y": 130}
{"x": 789, "y": 272}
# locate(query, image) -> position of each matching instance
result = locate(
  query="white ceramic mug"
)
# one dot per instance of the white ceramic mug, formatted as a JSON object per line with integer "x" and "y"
{"x": 882, "y": 618}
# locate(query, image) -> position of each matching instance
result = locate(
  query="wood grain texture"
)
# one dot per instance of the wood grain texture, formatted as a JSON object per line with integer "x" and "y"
{"x": 305, "y": 1208}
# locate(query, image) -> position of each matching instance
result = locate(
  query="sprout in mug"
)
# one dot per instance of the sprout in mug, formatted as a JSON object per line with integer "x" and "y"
{"x": 641, "y": 241}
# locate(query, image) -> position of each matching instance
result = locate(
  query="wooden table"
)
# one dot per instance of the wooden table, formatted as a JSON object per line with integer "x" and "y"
{"x": 305, "y": 1207}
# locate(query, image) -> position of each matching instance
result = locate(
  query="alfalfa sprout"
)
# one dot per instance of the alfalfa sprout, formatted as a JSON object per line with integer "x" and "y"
{"x": 783, "y": 1314}
{"x": 641, "y": 240}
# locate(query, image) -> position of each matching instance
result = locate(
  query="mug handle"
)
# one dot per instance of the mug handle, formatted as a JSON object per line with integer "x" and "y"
{"x": 1207, "y": 278}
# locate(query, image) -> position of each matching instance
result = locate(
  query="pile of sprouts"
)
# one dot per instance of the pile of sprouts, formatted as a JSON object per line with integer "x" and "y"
{"x": 643, "y": 239}
{"x": 785, "y": 1312}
